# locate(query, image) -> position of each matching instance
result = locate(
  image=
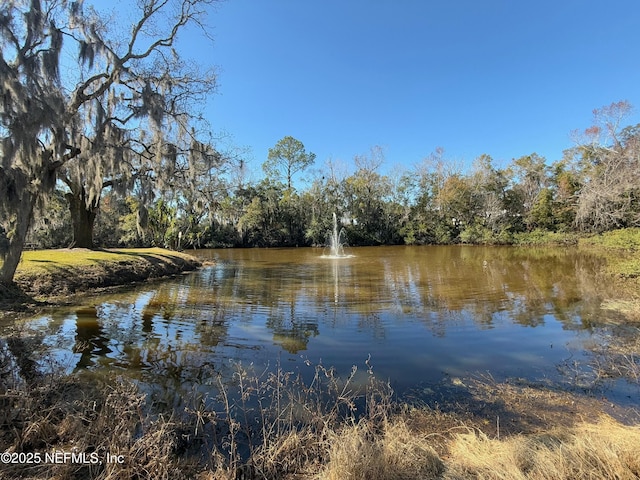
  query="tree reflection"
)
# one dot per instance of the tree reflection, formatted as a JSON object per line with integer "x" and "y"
{"x": 290, "y": 331}
{"x": 91, "y": 341}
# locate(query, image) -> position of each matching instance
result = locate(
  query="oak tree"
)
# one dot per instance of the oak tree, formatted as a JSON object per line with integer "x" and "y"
{"x": 86, "y": 122}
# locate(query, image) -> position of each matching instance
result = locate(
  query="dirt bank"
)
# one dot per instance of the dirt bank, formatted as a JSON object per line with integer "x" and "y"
{"x": 51, "y": 276}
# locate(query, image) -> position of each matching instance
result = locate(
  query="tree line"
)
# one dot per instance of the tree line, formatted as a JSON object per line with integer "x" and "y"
{"x": 114, "y": 153}
{"x": 594, "y": 187}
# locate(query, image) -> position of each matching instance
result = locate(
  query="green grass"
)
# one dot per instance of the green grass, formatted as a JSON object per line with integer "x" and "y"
{"x": 52, "y": 275}
{"x": 625, "y": 268}
{"x": 544, "y": 238}
{"x": 620, "y": 248}
{"x": 624, "y": 239}
{"x": 42, "y": 261}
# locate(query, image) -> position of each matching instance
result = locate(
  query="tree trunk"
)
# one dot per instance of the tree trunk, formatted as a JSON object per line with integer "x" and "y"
{"x": 83, "y": 217}
{"x": 16, "y": 242}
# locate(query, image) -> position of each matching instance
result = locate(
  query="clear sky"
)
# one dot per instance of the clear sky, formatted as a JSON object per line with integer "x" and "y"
{"x": 501, "y": 77}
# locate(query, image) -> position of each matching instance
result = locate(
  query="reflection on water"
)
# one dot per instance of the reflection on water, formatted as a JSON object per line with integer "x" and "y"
{"x": 421, "y": 312}
{"x": 91, "y": 342}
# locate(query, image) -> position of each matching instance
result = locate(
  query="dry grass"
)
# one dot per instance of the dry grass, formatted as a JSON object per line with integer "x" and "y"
{"x": 76, "y": 415}
{"x": 618, "y": 355}
{"x": 603, "y": 450}
{"x": 629, "y": 309}
{"x": 363, "y": 452}
{"x": 274, "y": 425}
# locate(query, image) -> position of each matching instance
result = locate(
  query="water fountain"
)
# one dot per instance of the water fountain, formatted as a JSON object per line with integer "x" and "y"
{"x": 335, "y": 243}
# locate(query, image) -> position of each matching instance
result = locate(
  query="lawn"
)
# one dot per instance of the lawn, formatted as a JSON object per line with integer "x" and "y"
{"x": 45, "y": 274}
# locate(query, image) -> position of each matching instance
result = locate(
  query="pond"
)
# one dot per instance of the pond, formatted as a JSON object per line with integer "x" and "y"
{"x": 418, "y": 317}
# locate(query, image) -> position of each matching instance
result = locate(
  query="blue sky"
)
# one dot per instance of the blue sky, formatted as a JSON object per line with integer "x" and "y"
{"x": 501, "y": 77}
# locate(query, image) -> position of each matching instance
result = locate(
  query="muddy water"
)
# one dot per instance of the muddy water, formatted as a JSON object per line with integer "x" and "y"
{"x": 423, "y": 316}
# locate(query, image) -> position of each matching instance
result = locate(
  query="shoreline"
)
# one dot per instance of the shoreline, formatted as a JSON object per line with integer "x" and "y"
{"x": 53, "y": 277}
{"x": 514, "y": 430}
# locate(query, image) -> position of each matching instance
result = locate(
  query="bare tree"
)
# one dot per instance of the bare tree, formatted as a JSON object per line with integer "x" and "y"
{"x": 94, "y": 112}
{"x": 609, "y": 161}
{"x": 530, "y": 175}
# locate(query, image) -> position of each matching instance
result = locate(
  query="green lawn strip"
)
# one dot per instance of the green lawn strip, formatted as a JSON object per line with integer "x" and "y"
{"x": 64, "y": 271}
{"x": 39, "y": 260}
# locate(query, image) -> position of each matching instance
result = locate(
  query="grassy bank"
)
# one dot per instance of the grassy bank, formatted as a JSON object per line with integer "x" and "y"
{"x": 626, "y": 240}
{"x": 53, "y": 274}
{"x": 621, "y": 248}
{"x": 545, "y": 238}
{"x": 276, "y": 427}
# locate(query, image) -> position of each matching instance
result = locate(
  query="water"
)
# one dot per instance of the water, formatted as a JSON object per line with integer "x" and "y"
{"x": 423, "y": 314}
